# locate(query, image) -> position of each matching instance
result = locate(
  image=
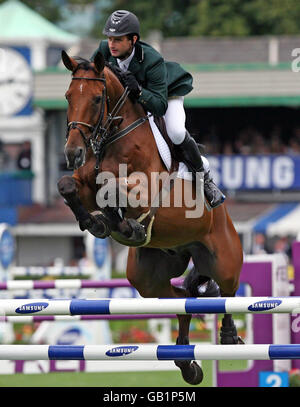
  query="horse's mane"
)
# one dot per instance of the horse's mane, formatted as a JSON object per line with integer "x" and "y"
{"x": 86, "y": 65}
{"x": 116, "y": 70}
{"x": 83, "y": 64}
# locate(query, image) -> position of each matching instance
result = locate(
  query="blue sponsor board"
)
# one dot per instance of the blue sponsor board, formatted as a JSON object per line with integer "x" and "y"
{"x": 7, "y": 248}
{"x": 101, "y": 250}
{"x": 262, "y": 172}
{"x": 273, "y": 379}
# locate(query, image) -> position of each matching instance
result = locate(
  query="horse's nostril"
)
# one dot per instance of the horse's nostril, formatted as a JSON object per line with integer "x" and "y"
{"x": 79, "y": 152}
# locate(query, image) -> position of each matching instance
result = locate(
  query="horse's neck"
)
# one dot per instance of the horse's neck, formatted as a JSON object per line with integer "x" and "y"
{"x": 142, "y": 142}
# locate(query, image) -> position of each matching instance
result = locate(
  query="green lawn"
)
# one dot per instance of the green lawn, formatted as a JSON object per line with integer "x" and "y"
{"x": 113, "y": 379}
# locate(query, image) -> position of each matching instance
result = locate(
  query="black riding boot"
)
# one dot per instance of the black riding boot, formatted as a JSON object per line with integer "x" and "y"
{"x": 190, "y": 155}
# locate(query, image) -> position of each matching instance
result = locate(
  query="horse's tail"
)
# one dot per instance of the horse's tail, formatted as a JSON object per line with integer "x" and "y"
{"x": 200, "y": 286}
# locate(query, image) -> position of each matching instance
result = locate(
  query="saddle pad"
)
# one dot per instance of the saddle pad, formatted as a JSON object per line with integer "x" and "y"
{"x": 165, "y": 153}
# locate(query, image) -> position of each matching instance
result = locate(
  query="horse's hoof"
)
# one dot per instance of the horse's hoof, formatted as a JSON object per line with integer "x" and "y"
{"x": 86, "y": 224}
{"x": 139, "y": 233}
{"x": 97, "y": 225}
{"x": 191, "y": 371}
{"x": 209, "y": 289}
{"x": 131, "y": 233}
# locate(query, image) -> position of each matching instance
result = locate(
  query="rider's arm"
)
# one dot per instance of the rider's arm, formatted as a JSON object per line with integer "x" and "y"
{"x": 154, "y": 94}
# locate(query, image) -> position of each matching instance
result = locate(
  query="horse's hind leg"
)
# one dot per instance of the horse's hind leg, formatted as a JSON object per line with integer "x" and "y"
{"x": 191, "y": 372}
{"x": 228, "y": 286}
{"x": 221, "y": 259}
{"x": 228, "y": 334}
{"x": 150, "y": 271}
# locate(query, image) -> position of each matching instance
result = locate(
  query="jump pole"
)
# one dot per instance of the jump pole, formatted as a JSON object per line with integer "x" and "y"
{"x": 149, "y": 352}
{"x": 260, "y": 305}
{"x": 27, "y": 319}
{"x": 69, "y": 283}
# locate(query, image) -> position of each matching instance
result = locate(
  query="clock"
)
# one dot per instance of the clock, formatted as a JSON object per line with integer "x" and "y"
{"x": 16, "y": 82}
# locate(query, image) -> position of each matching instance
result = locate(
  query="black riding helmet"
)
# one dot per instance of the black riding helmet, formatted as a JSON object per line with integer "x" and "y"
{"x": 121, "y": 22}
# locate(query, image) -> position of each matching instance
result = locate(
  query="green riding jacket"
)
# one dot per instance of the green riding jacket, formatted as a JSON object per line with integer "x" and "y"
{"x": 159, "y": 79}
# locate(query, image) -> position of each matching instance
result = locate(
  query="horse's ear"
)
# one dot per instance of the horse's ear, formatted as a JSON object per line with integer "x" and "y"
{"x": 99, "y": 62}
{"x": 69, "y": 62}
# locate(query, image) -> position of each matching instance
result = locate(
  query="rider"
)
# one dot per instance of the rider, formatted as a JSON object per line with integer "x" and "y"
{"x": 159, "y": 86}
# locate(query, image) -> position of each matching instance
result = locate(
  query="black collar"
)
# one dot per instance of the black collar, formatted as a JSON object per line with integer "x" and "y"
{"x": 139, "y": 52}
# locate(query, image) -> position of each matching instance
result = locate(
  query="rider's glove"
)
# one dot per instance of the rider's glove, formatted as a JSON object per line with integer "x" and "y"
{"x": 133, "y": 86}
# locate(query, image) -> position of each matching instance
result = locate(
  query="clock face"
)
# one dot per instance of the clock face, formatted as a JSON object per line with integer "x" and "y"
{"x": 15, "y": 82}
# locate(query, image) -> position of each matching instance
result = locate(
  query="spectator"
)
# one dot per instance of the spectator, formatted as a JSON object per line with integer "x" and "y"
{"x": 259, "y": 244}
{"x": 4, "y": 157}
{"x": 293, "y": 146}
{"x": 227, "y": 148}
{"x": 282, "y": 246}
{"x": 276, "y": 146}
{"x": 24, "y": 157}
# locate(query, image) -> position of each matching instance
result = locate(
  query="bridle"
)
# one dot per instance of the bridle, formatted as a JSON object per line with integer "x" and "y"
{"x": 103, "y": 135}
{"x": 88, "y": 141}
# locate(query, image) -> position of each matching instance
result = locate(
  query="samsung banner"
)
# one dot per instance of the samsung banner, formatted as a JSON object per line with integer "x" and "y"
{"x": 281, "y": 172}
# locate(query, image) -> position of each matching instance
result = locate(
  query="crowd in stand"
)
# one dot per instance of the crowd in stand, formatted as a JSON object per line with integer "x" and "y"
{"x": 251, "y": 141}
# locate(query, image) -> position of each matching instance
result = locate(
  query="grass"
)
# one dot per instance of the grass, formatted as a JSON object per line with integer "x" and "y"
{"x": 113, "y": 379}
{"x": 108, "y": 379}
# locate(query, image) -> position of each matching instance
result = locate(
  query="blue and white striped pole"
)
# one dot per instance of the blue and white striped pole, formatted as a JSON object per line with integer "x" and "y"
{"x": 11, "y": 285}
{"x": 263, "y": 305}
{"x": 149, "y": 352}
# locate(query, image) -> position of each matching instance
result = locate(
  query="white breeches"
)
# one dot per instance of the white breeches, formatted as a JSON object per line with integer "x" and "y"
{"x": 175, "y": 123}
{"x": 175, "y": 119}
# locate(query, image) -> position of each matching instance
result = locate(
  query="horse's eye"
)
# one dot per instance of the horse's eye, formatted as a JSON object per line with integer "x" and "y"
{"x": 97, "y": 99}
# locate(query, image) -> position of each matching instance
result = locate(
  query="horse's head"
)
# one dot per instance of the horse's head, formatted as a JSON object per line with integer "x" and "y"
{"x": 86, "y": 105}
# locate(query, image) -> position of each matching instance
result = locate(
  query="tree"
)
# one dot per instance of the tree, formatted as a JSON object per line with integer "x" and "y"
{"x": 168, "y": 16}
{"x": 186, "y": 17}
{"x": 210, "y": 17}
{"x": 241, "y": 18}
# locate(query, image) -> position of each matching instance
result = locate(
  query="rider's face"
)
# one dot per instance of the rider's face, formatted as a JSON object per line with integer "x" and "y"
{"x": 120, "y": 47}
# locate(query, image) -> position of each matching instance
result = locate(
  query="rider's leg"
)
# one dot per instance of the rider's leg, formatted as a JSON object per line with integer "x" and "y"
{"x": 188, "y": 149}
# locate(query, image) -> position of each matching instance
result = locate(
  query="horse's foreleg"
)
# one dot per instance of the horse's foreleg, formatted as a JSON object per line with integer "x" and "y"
{"x": 94, "y": 224}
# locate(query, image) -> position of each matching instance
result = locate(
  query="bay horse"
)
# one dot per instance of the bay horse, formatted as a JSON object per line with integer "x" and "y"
{"x": 105, "y": 129}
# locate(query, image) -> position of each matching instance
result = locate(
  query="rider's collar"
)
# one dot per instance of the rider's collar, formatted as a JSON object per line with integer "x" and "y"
{"x": 124, "y": 64}
{"x": 139, "y": 52}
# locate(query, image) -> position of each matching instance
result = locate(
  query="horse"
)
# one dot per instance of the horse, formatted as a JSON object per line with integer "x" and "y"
{"x": 106, "y": 128}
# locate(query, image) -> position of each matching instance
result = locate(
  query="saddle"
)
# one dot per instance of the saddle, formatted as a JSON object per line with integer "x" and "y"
{"x": 176, "y": 158}
{"x": 161, "y": 125}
